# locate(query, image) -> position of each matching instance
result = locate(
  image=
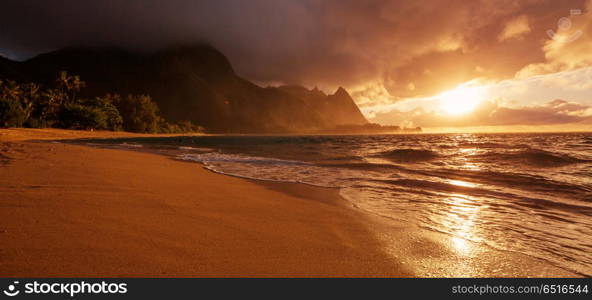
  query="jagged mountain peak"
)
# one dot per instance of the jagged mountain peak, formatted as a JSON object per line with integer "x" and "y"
{"x": 341, "y": 92}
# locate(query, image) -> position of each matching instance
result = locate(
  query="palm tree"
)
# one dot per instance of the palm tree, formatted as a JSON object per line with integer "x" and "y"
{"x": 70, "y": 84}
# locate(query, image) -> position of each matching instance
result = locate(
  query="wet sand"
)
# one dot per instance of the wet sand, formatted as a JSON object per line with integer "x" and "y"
{"x": 78, "y": 211}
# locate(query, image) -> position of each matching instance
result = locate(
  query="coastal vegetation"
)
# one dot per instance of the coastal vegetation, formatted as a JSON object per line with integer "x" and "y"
{"x": 60, "y": 106}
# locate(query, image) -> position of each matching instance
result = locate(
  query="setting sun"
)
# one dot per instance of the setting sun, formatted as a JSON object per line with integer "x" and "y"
{"x": 460, "y": 100}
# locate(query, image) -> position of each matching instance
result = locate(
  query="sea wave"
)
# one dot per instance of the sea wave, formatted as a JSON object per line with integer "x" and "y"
{"x": 131, "y": 145}
{"x": 491, "y": 145}
{"x": 409, "y": 155}
{"x": 532, "y": 157}
{"x": 237, "y": 158}
{"x": 528, "y": 183}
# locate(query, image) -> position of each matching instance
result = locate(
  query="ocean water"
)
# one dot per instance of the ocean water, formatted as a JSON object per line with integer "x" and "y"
{"x": 528, "y": 193}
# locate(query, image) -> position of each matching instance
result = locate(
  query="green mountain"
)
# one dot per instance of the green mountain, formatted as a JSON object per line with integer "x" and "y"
{"x": 195, "y": 83}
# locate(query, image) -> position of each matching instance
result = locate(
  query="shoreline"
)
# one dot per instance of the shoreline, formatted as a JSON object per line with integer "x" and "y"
{"x": 333, "y": 239}
{"x": 79, "y": 211}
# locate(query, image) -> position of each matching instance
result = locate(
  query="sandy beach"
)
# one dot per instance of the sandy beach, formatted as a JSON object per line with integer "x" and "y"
{"x": 78, "y": 211}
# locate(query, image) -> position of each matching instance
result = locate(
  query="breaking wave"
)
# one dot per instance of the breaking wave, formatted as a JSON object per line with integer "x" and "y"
{"x": 534, "y": 157}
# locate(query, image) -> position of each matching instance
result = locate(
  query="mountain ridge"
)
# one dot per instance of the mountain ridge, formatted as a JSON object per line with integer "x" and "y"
{"x": 195, "y": 83}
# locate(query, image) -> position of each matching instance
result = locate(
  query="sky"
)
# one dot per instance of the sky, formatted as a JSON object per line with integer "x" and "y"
{"x": 508, "y": 63}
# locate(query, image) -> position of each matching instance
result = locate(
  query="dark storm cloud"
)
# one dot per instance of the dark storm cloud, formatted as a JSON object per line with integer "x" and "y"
{"x": 266, "y": 40}
{"x": 409, "y": 47}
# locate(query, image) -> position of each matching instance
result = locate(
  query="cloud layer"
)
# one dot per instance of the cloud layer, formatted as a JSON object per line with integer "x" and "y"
{"x": 383, "y": 51}
{"x": 411, "y": 47}
{"x": 493, "y": 113}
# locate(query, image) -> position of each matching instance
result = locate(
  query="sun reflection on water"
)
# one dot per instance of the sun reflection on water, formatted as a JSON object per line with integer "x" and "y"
{"x": 461, "y": 218}
{"x": 462, "y": 183}
{"x": 461, "y": 245}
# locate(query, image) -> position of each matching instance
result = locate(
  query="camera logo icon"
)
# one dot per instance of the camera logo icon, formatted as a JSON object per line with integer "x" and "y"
{"x": 563, "y": 26}
{"x": 12, "y": 291}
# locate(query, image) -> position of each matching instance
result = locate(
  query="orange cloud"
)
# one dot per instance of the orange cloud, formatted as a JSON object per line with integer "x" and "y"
{"x": 515, "y": 28}
{"x": 408, "y": 48}
{"x": 569, "y": 45}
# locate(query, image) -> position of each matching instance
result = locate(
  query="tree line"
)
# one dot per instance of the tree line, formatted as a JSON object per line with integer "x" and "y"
{"x": 31, "y": 105}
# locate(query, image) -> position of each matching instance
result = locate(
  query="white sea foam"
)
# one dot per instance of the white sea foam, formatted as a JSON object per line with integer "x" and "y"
{"x": 196, "y": 149}
{"x": 131, "y": 145}
{"x": 270, "y": 169}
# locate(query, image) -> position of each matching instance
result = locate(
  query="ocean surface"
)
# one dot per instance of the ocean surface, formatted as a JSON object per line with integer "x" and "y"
{"x": 528, "y": 193}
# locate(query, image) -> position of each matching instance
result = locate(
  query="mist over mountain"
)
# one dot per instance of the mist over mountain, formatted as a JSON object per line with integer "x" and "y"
{"x": 196, "y": 83}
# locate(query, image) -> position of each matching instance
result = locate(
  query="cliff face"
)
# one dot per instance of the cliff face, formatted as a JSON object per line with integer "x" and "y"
{"x": 193, "y": 83}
